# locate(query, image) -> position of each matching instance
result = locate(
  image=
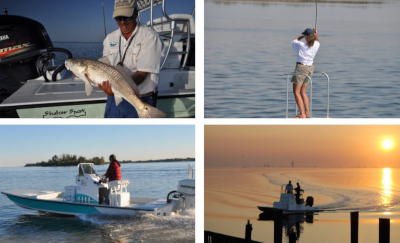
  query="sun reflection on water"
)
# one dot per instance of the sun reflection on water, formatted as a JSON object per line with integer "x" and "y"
{"x": 386, "y": 193}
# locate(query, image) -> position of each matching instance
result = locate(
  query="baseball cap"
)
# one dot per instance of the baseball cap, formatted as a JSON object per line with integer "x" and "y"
{"x": 124, "y": 8}
{"x": 308, "y": 32}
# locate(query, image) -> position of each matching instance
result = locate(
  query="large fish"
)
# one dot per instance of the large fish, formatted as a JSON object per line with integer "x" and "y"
{"x": 95, "y": 72}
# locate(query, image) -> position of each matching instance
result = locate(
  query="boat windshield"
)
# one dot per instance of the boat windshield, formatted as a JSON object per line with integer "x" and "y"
{"x": 87, "y": 169}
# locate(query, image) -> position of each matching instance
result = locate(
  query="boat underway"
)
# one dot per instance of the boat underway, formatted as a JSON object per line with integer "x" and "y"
{"x": 287, "y": 203}
{"x": 93, "y": 196}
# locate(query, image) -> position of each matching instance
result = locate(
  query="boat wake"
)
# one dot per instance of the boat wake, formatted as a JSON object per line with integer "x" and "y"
{"x": 178, "y": 227}
{"x": 372, "y": 199}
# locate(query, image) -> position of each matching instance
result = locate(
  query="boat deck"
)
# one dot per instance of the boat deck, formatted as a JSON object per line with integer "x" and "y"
{"x": 37, "y": 92}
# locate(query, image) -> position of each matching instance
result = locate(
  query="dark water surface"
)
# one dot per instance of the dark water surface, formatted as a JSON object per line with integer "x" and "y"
{"x": 248, "y": 51}
{"x": 153, "y": 180}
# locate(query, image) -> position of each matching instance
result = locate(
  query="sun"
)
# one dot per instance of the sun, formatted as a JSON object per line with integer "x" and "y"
{"x": 387, "y": 144}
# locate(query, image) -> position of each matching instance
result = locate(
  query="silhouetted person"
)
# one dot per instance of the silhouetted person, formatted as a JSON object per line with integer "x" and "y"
{"x": 297, "y": 189}
{"x": 292, "y": 236}
{"x": 289, "y": 188}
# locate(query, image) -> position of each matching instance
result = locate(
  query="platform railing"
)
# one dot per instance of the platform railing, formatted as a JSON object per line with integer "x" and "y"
{"x": 311, "y": 92}
{"x": 150, "y": 4}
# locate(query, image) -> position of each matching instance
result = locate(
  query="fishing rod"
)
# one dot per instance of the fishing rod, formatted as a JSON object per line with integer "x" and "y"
{"x": 104, "y": 19}
{"x": 316, "y": 13}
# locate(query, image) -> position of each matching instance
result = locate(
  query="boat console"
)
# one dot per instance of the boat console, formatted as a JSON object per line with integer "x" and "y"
{"x": 88, "y": 186}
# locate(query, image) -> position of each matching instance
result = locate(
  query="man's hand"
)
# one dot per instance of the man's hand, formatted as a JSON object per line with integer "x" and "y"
{"x": 106, "y": 87}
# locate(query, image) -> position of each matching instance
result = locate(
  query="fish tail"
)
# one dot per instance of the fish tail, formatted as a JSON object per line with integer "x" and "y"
{"x": 151, "y": 112}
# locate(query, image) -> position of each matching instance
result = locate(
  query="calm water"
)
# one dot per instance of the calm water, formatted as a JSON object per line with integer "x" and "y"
{"x": 248, "y": 51}
{"x": 232, "y": 197}
{"x": 152, "y": 180}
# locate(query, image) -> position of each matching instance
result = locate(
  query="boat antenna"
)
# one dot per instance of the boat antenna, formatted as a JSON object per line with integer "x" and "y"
{"x": 316, "y": 13}
{"x": 104, "y": 19}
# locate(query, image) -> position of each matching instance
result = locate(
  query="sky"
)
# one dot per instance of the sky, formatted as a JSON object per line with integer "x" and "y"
{"x": 22, "y": 144}
{"x": 80, "y": 21}
{"x": 307, "y": 146}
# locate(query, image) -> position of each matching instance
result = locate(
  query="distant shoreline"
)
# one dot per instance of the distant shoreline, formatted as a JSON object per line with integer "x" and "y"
{"x": 156, "y": 161}
{"x": 122, "y": 162}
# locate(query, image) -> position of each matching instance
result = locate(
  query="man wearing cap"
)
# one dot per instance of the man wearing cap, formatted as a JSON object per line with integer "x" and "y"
{"x": 138, "y": 49}
{"x": 306, "y": 52}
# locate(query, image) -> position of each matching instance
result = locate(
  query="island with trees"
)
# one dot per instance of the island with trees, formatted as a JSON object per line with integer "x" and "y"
{"x": 68, "y": 160}
{"x": 73, "y": 160}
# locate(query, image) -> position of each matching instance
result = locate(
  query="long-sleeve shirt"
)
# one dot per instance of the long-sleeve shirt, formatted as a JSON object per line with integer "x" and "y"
{"x": 113, "y": 172}
{"x": 305, "y": 54}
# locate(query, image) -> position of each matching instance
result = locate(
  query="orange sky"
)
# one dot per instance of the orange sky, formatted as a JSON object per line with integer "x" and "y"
{"x": 308, "y": 145}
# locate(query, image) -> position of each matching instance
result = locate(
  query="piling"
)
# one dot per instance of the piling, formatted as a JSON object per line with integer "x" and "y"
{"x": 384, "y": 230}
{"x": 278, "y": 226}
{"x": 249, "y": 228}
{"x": 354, "y": 227}
{"x": 292, "y": 237}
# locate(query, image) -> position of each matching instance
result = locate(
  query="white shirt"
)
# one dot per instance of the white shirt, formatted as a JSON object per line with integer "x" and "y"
{"x": 305, "y": 54}
{"x": 144, "y": 54}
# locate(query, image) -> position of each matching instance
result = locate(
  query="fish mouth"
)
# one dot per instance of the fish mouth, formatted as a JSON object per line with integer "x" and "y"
{"x": 68, "y": 64}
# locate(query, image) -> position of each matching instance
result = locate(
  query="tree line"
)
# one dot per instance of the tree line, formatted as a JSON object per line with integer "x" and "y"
{"x": 68, "y": 160}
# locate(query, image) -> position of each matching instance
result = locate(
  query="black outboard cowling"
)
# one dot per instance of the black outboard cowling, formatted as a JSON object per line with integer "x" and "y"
{"x": 23, "y": 42}
{"x": 310, "y": 201}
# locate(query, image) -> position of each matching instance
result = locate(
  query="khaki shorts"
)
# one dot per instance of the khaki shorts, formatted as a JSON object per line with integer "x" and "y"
{"x": 300, "y": 79}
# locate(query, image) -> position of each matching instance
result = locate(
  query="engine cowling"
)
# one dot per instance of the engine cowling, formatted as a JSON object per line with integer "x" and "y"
{"x": 186, "y": 187}
{"x": 310, "y": 201}
{"x": 22, "y": 41}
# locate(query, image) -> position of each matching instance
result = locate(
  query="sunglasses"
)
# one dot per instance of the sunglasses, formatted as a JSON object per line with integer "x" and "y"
{"x": 119, "y": 19}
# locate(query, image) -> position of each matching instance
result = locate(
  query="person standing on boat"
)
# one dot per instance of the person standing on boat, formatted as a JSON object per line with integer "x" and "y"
{"x": 114, "y": 170}
{"x": 289, "y": 188}
{"x": 297, "y": 190}
{"x": 305, "y": 57}
{"x": 138, "y": 49}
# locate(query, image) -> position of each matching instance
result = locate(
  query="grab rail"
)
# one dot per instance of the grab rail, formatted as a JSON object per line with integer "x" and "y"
{"x": 311, "y": 92}
{"x": 145, "y": 5}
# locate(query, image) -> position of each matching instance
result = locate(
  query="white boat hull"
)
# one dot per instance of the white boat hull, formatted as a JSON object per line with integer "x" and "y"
{"x": 287, "y": 203}
{"x": 57, "y": 205}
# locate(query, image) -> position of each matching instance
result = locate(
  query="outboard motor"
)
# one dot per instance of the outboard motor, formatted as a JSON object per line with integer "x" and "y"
{"x": 26, "y": 49}
{"x": 184, "y": 196}
{"x": 310, "y": 201}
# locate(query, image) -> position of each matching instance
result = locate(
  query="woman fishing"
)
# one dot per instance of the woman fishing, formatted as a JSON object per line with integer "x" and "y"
{"x": 305, "y": 56}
